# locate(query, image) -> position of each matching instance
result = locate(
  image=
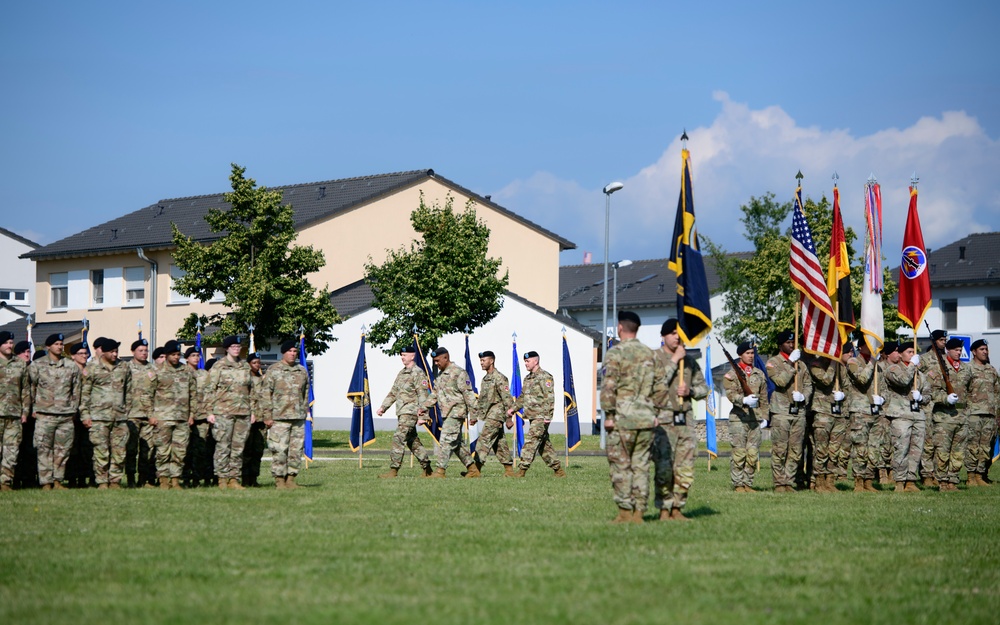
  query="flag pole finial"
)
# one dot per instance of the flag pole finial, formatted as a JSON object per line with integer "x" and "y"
{"x": 836, "y": 178}
{"x": 799, "y": 177}
{"x": 197, "y": 324}
{"x": 302, "y": 329}
{"x": 871, "y": 178}
{"x": 684, "y": 139}
{"x": 364, "y": 329}
{"x": 914, "y": 180}
{"x": 250, "y": 327}
{"x": 513, "y": 335}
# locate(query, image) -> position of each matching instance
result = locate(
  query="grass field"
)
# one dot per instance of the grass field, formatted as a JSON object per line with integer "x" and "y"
{"x": 350, "y": 548}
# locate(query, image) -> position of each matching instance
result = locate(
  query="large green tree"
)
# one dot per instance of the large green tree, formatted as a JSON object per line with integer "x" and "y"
{"x": 759, "y": 297}
{"x": 258, "y": 269}
{"x": 443, "y": 283}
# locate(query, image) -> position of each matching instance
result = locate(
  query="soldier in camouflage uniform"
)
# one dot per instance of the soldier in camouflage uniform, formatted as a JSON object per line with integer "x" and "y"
{"x": 494, "y": 401}
{"x": 905, "y": 390}
{"x": 80, "y": 465}
{"x": 228, "y": 396}
{"x": 104, "y": 403}
{"x": 864, "y": 406}
{"x": 982, "y": 410}
{"x": 55, "y": 399}
{"x": 788, "y": 405}
{"x": 175, "y": 400}
{"x": 939, "y": 338}
{"x": 198, "y": 461}
{"x": 826, "y": 400}
{"x": 285, "y": 401}
{"x": 674, "y": 438}
{"x": 632, "y": 394}
{"x": 950, "y": 429}
{"x": 409, "y": 388}
{"x": 253, "y": 452}
{"x": 746, "y": 417}
{"x": 15, "y": 405}
{"x": 140, "y": 458}
{"x": 453, "y": 392}
{"x": 26, "y": 471}
{"x": 538, "y": 400}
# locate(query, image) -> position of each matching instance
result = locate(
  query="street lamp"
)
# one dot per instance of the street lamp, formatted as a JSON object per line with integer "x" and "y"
{"x": 614, "y": 285}
{"x": 608, "y": 190}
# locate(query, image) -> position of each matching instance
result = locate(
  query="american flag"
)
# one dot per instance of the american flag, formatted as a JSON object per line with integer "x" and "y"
{"x": 820, "y": 335}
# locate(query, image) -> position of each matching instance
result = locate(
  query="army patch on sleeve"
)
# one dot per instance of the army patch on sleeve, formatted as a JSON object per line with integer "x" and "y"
{"x": 728, "y": 376}
{"x": 770, "y": 365}
{"x": 423, "y": 383}
{"x": 548, "y": 383}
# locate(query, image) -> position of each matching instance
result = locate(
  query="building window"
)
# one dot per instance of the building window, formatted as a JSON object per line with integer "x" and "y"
{"x": 97, "y": 287}
{"x": 59, "y": 286}
{"x": 176, "y": 273}
{"x": 13, "y": 296}
{"x": 135, "y": 286}
{"x": 949, "y": 314}
{"x": 993, "y": 311}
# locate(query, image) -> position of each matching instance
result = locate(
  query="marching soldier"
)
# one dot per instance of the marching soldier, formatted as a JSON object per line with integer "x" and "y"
{"x": 104, "y": 405}
{"x": 285, "y": 402}
{"x": 538, "y": 400}
{"x": 494, "y": 400}
{"x": 983, "y": 409}
{"x": 864, "y": 406}
{"x": 950, "y": 431}
{"x": 253, "y": 452}
{"x": 175, "y": 401}
{"x": 674, "y": 439}
{"x": 55, "y": 397}
{"x": 228, "y": 396}
{"x": 906, "y": 392}
{"x": 788, "y": 405}
{"x": 407, "y": 390}
{"x": 15, "y": 405}
{"x": 140, "y": 458}
{"x": 746, "y": 417}
{"x": 454, "y": 393}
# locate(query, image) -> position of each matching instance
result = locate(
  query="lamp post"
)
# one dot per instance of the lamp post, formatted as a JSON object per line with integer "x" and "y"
{"x": 614, "y": 285}
{"x": 608, "y": 190}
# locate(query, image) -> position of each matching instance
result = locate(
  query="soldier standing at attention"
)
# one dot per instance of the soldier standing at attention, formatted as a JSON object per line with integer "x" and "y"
{"x": 824, "y": 402}
{"x": 175, "y": 399}
{"x": 140, "y": 461}
{"x": 198, "y": 461}
{"x": 253, "y": 453}
{"x": 538, "y": 400}
{"x": 494, "y": 400}
{"x": 904, "y": 401}
{"x": 950, "y": 430}
{"x": 788, "y": 405}
{"x": 864, "y": 406}
{"x": 228, "y": 395}
{"x": 15, "y": 404}
{"x": 80, "y": 465}
{"x": 26, "y": 471}
{"x": 285, "y": 401}
{"x": 159, "y": 357}
{"x": 633, "y": 391}
{"x": 454, "y": 394}
{"x": 55, "y": 397}
{"x": 983, "y": 409}
{"x": 104, "y": 404}
{"x": 928, "y": 465}
{"x": 673, "y": 439}
{"x": 745, "y": 418}
{"x": 408, "y": 389}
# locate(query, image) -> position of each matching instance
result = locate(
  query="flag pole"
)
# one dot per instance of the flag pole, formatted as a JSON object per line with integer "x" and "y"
{"x": 565, "y": 415}
{"x": 795, "y": 378}
{"x": 836, "y": 301}
{"x": 913, "y": 183}
{"x": 361, "y": 437}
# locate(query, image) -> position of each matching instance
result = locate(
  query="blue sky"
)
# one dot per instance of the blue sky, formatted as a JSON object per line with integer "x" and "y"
{"x": 109, "y": 107}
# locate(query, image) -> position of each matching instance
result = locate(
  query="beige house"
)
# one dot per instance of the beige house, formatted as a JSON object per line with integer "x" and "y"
{"x": 120, "y": 274}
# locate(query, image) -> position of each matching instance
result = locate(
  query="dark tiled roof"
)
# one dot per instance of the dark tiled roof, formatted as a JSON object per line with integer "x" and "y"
{"x": 971, "y": 260}
{"x": 19, "y": 238}
{"x": 150, "y": 227}
{"x": 643, "y": 284}
{"x": 71, "y": 329}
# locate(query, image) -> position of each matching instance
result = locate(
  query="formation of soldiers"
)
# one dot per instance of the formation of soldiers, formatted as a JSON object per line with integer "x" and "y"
{"x": 147, "y": 423}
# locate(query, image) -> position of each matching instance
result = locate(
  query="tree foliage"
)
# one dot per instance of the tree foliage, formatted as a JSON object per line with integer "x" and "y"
{"x": 257, "y": 268}
{"x": 443, "y": 283}
{"x": 759, "y": 297}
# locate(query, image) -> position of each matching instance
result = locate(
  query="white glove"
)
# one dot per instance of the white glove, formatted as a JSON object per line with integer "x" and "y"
{"x": 795, "y": 355}
{"x": 916, "y": 396}
{"x": 798, "y": 397}
{"x": 915, "y": 360}
{"x": 763, "y": 424}
{"x": 838, "y": 395}
{"x": 750, "y": 401}
{"x": 878, "y": 400}
{"x": 953, "y": 399}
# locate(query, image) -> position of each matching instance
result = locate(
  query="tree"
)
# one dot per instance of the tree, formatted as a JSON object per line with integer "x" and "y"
{"x": 444, "y": 283}
{"x": 258, "y": 270}
{"x": 759, "y": 297}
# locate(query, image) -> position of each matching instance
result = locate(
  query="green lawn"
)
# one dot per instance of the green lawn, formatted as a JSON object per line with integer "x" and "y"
{"x": 350, "y": 548}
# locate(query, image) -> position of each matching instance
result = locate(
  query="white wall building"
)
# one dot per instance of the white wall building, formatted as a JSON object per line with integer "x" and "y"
{"x": 17, "y": 280}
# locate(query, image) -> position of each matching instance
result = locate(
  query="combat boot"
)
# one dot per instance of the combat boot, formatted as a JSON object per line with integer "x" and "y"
{"x": 975, "y": 479}
{"x": 164, "y": 483}
{"x": 102, "y": 487}
{"x": 911, "y": 487}
{"x": 560, "y": 472}
{"x": 859, "y": 485}
{"x": 900, "y": 487}
{"x": 392, "y": 472}
{"x": 115, "y": 486}
{"x": 279, "y": 482}
{"x": 473, "y": 470}
{"x": 290, "y": 482}
{"x": 520, "y": 473}
{"x": 234, "y": 484}
{"x": 624, "y": 516}
{"x": 675, "y": 514}
{"x": 58, "y": 485}
{"x": 665, "y": 514}
{"x": 46, "y": 486}
{"x": 427, "y": 470}
{"x": 929, "y": 482}
{"x": 223, "y": 482}
{"x": 438, "y": 473}
{"x": 508, "y": 470}
{"x": 5, "y": 488}
{"x": 870, "y": 487}
{"x": 175, "y": 483}
{"x": 883, "y": 476}
{"x": 637, "y": 516}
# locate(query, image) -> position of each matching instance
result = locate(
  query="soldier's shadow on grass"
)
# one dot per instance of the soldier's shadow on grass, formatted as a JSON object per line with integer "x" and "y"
{"x": 700, "y": 511}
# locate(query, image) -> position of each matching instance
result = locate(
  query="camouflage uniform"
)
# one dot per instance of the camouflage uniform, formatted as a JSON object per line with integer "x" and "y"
{"x": 744, "y": 424}
{"x": 823, "y": 379}
{"x": 907, "y": 427}
{"x": 634, "y": 388}
{"x": 105, "y": 401}
{"x": 228, "y": 395}
{"x": 951, "y": 430}
{"x": 284, "y": 400}
{"x": 175, "y": 401}
{"x": 494, "y": 401}
{"x": 253, "y": 452}
{"x": 15, "y": 405}
{"x": 927, "y": 461}
{"x": 140, "y": 456}
{"x": 407, "y": 390}
{"x": 788, "y": 430}
{"x": 198, "y": 462}
{"x": 55, "y": 396}
{"x": 453, "y": 392}
{"x": 538, "y": 400}
{"x": 982, "y": 408}
{"x": 674, "y": 440}
{"x": 860, "y": 376}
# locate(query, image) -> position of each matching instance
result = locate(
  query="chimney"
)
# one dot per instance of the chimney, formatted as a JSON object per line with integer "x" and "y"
{"x": 587, "y": 258}
{"x": 961, "y": 252}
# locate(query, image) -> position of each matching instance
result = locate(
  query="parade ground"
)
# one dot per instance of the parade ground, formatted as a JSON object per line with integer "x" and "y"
{"x": 348, "y": 547}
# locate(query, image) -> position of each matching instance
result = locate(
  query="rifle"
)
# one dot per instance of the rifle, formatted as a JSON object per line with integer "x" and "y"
{"x": 736, "y": 369}
{"x": 940, "y": 359}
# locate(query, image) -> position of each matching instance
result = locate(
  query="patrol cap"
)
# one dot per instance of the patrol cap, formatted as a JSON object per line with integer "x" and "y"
{"x": 158, "y": 352}
{"x": 528, "y": 355}
{"x": 487, "y": 354}
{"x": 52, "y": 338}
{"x": 939, "y": 334}
{"x": 6, "y": 336}
{"x": 229, "y": 341}
{"x": 137, "y": 344}
{"x": 250, "y": 357}
{"x": 190, "y": 350}
{"x": 21, "y": 347}
{"x": 784, "y": 337}
{"x": 171, "y": 347}
{"x": 668, "y": 327}
{"x": 745, "y": 346}
{"x": 110, "y": 345}
{"x": 976, "y": 345}
{"x": 409, "y": 349}
{"x": 79, "y": 347}
{"x": 289, "y": 344}
{"x": 439, "y": 352}
{"x": 98, "y": 343}
{"x": 889, "y": 347}
{"x": 953, "y": 343}
{"x": 628, "y": 315}
{"x": 210, "y": 363}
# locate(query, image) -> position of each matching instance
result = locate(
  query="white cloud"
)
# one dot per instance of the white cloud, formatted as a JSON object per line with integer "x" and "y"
{"x": 746, "y": 152}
